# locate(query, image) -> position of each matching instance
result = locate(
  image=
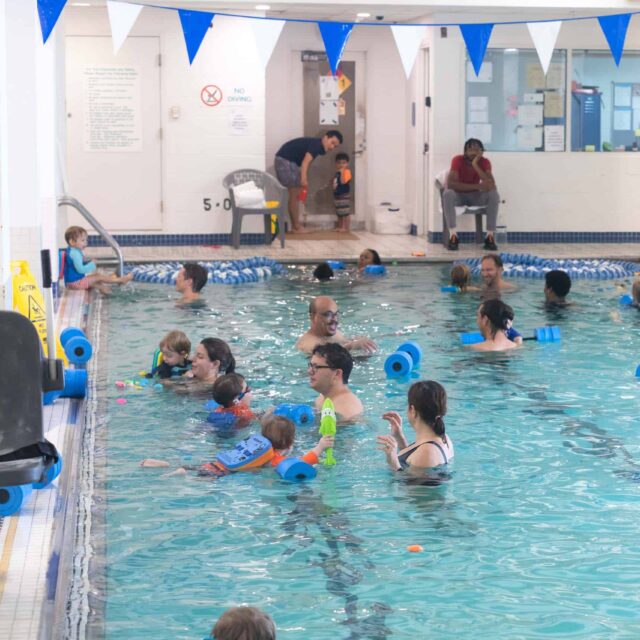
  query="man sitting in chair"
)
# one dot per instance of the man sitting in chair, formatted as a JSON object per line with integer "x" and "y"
{"x": 471, "y": 184}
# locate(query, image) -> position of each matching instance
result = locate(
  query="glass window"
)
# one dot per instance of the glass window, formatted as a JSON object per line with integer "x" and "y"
{"x": 605, "y": 102}
{"x": 512, "y": 106}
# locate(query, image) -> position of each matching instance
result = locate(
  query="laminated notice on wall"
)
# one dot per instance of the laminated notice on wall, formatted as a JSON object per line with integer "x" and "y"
{"x": 329, "y": 112}
{"x": 554, "y": 137}
{"x": 529, "y": 137}
{"x": 329, "y": 89}
{"x": 535, "y": 76}
{"x": 555, "y": 76}
{"x": 529, "y": 115}
{"x": 112, "y": 108}
{"x": 553, "y": 104}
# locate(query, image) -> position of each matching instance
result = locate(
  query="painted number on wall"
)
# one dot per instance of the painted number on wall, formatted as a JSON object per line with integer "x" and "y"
{"x": 206, "y": 204}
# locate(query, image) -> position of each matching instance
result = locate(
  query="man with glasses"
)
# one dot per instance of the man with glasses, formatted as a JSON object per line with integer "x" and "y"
{"x": 329, "y": 370}
{"x": 324, "y": 318}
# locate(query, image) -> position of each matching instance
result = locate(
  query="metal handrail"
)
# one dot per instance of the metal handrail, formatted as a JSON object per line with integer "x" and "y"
{"x": 106, "y": 236}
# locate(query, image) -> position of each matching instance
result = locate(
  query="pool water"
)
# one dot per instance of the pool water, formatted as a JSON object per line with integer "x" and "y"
{"x": 534, "y": 536}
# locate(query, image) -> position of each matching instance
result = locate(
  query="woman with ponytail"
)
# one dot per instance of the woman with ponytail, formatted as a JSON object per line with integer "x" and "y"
{"x": 494, "y": 319}
{"x": 426, "y": 411}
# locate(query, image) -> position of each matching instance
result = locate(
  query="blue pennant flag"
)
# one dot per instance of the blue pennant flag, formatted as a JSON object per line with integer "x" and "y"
{"x": 615, "y": 31}
{"x": 335, "y": 36}
{"x": 476, "y": 37}
{"x": 194, "y": 26}
{"x": 49, "y": 12}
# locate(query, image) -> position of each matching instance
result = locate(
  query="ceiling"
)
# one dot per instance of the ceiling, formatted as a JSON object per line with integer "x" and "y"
{"x": 407, "y": 11}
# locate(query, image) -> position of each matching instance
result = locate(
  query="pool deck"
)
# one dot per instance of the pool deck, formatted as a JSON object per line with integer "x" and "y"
{"x": 31, "y": 541}
{"x": 390, "y": 247}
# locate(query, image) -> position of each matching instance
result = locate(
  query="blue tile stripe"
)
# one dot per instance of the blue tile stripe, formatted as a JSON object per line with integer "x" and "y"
{"x": 175, "y": 239}
{"x": 542, "y": 237}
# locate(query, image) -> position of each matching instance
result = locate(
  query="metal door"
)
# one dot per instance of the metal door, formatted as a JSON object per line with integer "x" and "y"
{"x": 114, "y": 136}
{"x": 350, "y": 122}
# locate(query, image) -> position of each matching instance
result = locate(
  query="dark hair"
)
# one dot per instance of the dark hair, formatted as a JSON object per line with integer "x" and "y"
{"x": 429, "y": 399}
{"x": 499, "y": 314}
{"x": 376, "y": 256}
{"x": 337, "y": 357}
{"x": 471, "y": 141}
{"x": 342, "y": 156}
{"x": 197, "y": 274}
{"x": 497, "y": 260}
{"x": 219, "y": 350}
{"x": 558, "y": 281}
{"x": 244, "y": 623}
{"x": 279, "y": 431}
{"x": 334, "y": 133}
{"x": 227, "y": 388}
{"x": 323, "y": 271}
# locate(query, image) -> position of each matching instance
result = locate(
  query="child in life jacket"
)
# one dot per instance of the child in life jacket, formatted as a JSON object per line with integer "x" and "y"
{"x": 278, "y": 431}
{"x": 232, "y": 393}
{"x": 174, "y": 349}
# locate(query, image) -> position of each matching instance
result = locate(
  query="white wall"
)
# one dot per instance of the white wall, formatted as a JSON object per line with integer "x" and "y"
{"x": 29, "y": 182}
{"x": 543, "y": 191}
{"x": 199, "y": 148}
{"x": 564, "y": 191}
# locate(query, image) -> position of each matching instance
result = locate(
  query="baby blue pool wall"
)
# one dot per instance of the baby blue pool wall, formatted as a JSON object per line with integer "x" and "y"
{"x": 561, "y": 196}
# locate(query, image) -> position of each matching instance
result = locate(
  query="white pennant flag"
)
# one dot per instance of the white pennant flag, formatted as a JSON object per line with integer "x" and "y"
{"x": 408, "y": 40}
{"x": 544, "y": 36}
{"x": 122, "y": 16}
{"x": 266, "y": 34}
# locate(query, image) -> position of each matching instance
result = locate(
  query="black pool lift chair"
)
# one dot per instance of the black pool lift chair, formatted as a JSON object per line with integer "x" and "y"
{"x": 27, "y": 459}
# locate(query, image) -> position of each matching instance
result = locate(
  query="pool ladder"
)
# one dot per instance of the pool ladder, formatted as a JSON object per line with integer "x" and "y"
{"x": 106, "y": 236}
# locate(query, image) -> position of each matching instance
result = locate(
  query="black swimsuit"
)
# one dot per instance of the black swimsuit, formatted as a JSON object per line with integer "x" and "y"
{"x": 403, "y": 457}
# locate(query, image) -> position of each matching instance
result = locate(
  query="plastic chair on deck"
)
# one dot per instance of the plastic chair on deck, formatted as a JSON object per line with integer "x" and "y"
{"x": 441, "y": 182}
{"x": 273, "y": 191}
{"x": 26, "y": 458}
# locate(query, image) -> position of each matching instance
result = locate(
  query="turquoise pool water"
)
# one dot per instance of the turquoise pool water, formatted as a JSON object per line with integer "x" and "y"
{"x": 535, "y": 536}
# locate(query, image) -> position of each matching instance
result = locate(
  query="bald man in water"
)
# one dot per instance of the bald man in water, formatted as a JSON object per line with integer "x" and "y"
{"x": 323, "y": 317}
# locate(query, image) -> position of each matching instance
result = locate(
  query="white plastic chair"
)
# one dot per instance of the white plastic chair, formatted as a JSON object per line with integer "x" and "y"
{"x": 441, "y": 182}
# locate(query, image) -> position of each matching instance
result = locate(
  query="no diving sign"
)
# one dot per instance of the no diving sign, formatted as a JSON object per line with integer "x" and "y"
{"x": 211, "y": 95}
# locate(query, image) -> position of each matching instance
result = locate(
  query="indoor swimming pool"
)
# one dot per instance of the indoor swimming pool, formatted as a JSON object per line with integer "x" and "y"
{"x": 534, "y": 535}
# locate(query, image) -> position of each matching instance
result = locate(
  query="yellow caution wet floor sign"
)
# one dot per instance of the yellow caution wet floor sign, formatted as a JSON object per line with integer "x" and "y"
{"x": 27, "y": 300}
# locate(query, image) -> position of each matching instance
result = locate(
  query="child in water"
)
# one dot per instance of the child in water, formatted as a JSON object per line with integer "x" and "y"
{"x": 231, "y": 392}
{"x": 461, "y": 277}
{"x": 175, "y": 348}
{"x": 280, "y": 431}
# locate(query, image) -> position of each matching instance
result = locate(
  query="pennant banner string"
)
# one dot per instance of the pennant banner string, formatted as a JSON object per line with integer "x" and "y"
{"x": 398, "y": 24}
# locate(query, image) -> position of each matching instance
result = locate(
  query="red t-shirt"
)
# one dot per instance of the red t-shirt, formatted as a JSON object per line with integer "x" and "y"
{"x": 466, "y": 173}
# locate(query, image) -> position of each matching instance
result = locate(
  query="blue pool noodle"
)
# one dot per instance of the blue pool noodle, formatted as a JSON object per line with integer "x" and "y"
{"x": 375, "y": 269}
{"x": 299, "y": 414}
{"x": 15, "y": 497}
{"x": 473, "y": 337}
{"x": 414, "y": 351}
{"x": 295, "y": 470}
{"x": 398, "y": 365}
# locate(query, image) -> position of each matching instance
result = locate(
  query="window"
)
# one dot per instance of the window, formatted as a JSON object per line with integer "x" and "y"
{"x": 512, "y": 106}
{"x": 605, "y": 102}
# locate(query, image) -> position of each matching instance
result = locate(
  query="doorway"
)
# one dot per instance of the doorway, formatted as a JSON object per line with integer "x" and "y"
{"x": 114, "y": 134}
{"x": 335, "y": 104}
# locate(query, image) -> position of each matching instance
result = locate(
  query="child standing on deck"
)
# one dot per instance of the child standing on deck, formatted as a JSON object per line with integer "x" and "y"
{"x": 342, "y": 192}
{"x": 79, "y": 271}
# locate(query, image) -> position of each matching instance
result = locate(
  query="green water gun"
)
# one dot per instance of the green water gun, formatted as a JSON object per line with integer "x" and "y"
{"x": 328, "y": 428}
